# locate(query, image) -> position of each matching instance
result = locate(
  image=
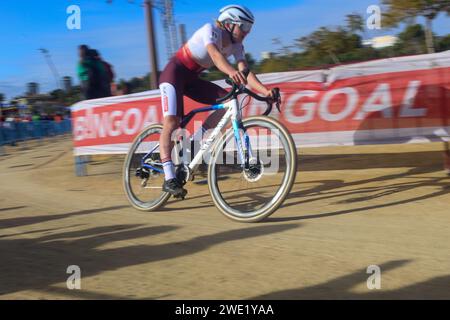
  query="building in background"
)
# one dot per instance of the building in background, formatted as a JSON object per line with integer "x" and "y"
{"x": 67, "y": 84}
{"x": 381, "y": 42}
{"x": 32, "y": 89}
{"x": 266, "y": 55}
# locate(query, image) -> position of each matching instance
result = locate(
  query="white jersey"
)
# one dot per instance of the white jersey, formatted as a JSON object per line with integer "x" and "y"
{"x": 212, "y": 34}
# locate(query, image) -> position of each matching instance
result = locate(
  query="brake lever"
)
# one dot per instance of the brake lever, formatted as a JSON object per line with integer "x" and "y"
{"x": 278, "y": 107}
{"x": 277, "y": 99}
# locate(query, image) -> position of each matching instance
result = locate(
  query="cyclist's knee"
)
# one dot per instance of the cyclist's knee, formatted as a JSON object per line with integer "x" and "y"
{"x": 171, "y": 122}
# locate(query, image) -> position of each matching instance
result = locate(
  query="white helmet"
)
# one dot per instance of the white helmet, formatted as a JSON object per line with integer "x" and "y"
{"x": 236, "y": 14}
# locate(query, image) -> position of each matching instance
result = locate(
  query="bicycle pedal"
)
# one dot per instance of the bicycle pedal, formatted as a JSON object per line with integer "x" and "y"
{"x": 181, "y": 196}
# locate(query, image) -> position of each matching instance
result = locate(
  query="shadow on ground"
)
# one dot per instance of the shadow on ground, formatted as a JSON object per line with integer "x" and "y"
{"x": 24, "y": 221}
{"x": 415, "y": 165}
{"x": 41, "y": 262}
{"x": 340, "y": 288}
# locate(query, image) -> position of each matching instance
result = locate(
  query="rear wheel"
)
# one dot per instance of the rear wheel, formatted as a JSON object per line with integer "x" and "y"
{"x": 143, "y": 184}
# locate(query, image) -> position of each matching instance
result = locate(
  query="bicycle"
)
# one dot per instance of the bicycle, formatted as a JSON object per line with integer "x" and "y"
{"x": 245, "y": 148}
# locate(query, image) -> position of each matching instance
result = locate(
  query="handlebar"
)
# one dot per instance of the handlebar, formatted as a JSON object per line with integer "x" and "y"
{"x": 239, "y": 89}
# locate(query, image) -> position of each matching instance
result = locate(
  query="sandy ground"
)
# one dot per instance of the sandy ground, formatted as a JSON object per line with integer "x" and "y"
{"x": 351, "y": 207}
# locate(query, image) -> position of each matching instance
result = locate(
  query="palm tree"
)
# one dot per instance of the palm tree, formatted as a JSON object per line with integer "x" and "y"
{"x": 404, "y": 10}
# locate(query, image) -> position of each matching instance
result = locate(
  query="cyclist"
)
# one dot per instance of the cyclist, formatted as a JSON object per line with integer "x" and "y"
{"x": 210, "y": 45}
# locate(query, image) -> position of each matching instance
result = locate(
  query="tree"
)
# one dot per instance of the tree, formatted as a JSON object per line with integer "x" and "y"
{"x": 283, "y": 49}
{"x": 355, "y": 22}
{"x": 278, "y": 64}
{"x": 324, "y": 46}
{"x": 403, "y": 10}
{"x": 444, "y": 43}
{"x": 411, "y": 40}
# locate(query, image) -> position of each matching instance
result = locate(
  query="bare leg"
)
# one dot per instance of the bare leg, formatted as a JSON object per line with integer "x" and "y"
{"x": 171, "y": 184}
{"x": 170, "y": 124}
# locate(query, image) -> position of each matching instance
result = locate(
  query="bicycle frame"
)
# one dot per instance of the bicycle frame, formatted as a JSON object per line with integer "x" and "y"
{"x": 233, "y": 113}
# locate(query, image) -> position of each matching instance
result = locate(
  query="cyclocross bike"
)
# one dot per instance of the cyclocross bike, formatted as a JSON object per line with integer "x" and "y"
{"x": 252, "y": 164}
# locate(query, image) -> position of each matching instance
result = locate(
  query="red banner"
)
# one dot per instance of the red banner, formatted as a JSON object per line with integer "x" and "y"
{"x": 354, "y": 104}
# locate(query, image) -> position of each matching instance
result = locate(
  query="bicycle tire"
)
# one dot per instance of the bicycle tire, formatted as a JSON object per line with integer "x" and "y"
{"x": 287, "y": 183}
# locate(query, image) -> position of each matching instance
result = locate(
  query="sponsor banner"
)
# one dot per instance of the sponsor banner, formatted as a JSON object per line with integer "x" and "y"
{"x": 321, "y": 139}
{"x": 397, "y": 100}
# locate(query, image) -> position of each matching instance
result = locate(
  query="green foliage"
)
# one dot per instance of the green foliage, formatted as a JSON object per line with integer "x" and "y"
{"x": 136, "y": 84}
{"x": 407, "y": 10}
{"x": 326, "y": 46}
{"x": 331, "y": 46}
{"x": 355, "y": 22}
{"x": 64, "y": 98}
{"x": 443, "y": 43}
{"x": 411, "y": 41}
{"x": 403, "y": 10}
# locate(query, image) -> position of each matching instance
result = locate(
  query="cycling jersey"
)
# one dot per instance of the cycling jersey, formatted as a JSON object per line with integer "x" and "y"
{"x": 194, "y": 54}
{"x": 181, "y": 75}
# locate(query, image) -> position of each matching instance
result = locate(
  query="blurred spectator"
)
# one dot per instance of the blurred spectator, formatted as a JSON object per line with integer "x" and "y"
{"x": 85, "y": 71}
{"x": 101, "y": 76}
{"x": 35, "y": 117}
{"x": 108, "y": 79}
{"x": 92, "y": 74}
{"x": 96, "y": 75}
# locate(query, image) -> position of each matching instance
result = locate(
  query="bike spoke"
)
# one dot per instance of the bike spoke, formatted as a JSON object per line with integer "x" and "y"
{"x": 144, "y": 183}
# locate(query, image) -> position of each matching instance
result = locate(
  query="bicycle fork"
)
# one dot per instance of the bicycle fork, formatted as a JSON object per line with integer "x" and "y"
{"x": 242, "y": 140}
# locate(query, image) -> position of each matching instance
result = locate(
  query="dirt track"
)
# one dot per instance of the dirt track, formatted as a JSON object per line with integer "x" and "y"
{"x": 351, "y": 207}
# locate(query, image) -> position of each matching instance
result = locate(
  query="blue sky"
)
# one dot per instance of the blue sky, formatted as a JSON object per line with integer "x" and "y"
{"x": 118, "y": 31}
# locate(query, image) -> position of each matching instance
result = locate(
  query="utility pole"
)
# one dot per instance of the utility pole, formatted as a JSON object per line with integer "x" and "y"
{"x": 148, "y": 7}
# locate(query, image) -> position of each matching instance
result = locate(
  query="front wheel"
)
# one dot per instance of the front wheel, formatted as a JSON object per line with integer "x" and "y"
{"x": 253, "y": 190}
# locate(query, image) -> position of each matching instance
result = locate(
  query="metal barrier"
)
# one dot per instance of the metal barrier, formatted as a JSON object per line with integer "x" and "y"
{"x": 12, "y": 132}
